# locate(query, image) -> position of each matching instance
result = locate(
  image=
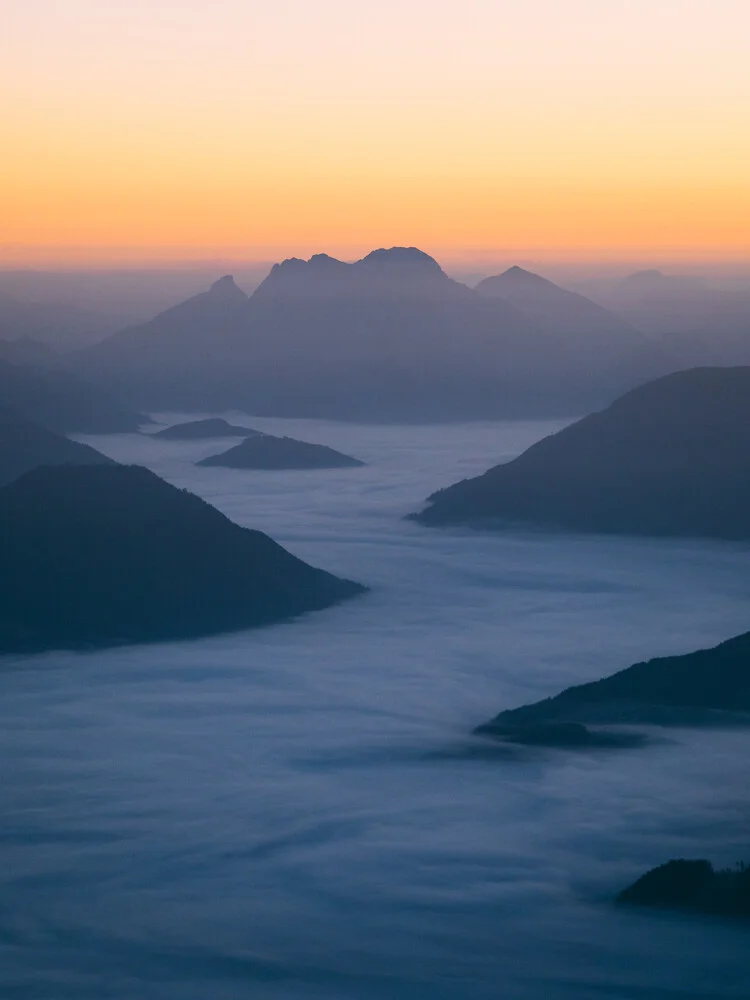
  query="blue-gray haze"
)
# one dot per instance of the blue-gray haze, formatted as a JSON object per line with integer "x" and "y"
{"x": 298, "y": 813}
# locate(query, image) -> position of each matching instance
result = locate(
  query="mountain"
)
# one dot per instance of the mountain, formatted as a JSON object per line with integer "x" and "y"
{"x": 264, "y": 451}
{"x": 671, "y": 457}
{"x": 388, "y": 337}
{"x": 197, "y": 430}
{"x": 104, "y": 555}
{"x": 581, "y": 322}
{"x": 710, "y": 685}
{"x": 593, "y": 337}
{"x": 24, "y": 446}
{"x": 63, "y": 402}
{"x": 173, "y": 356}
{"x": 693, "y": 886}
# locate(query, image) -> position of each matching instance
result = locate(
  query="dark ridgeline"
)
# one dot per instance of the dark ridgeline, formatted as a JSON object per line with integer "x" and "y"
{"x": 389, "y": 337}
{"x": 709, "y": 686}
{"x": 692, "y": 886}
{"x": 102, "y": 555}
{"x": 63, "y": 402}
{"x": 196, "y": 430}
{"x": 264, "y": 451}
{"x": 671, "y": 457}
{"x": 25, "y": 445}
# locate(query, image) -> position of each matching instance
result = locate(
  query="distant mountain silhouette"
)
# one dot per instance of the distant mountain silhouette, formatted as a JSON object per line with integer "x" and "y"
{"x": 195, "y": 430}
{"x": 568, "y": 315}
{"x": 710, "y": 685}
{"x": 696, "y": 323}
{"x": 264, "y": 451}
{"x": 63, "y": 402}
{"x": 671, "y": 457}
{"x": 174, "y": 356}
{"x": 594, "y": 338}
{"x": 103, "y": 555}
{"x": 388, "y": 337}
{"x": 24, "y": 446}
{"x": 693, "y": 886}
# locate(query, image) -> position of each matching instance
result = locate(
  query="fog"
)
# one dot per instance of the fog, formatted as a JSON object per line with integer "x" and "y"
{"x": 300, "y": 812}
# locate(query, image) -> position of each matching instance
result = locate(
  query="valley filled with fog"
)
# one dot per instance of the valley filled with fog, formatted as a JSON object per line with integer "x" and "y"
{"x": 300, "y": 811}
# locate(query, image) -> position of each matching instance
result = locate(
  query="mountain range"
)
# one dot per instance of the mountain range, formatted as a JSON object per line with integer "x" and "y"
{"x": 387, "y": 337}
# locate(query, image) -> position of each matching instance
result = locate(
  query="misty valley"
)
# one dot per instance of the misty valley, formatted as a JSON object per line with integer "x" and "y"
{"x": 375, "y": 636}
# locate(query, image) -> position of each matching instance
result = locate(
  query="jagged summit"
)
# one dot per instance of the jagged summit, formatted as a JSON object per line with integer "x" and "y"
{"x": 324, "y": 276}
{"x": 227, "y": 288}
{"x": 402, "y": 257}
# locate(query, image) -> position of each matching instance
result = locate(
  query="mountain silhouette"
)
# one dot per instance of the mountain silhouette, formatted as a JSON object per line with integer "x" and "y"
{"x": 181, "y": 347}
{"x": 671, "y": 457}
{"x": 25, "y": 445}
{"x": 387, "y": 337}
{"x": 63, "y": 402}
{"x": 196, "y": 430}
{"x": 101, "y": 555}
{"x": 693, "y": 886}
{"x": 264, "y": 451}
{"x": 710, "y": 685}
{"x": 565, "y": 314}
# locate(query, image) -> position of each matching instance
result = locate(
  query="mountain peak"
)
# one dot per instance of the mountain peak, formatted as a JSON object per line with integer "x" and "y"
{"x": 226, "y": 287}
{"x": 402, "y": 258}
{"x": 518, "y": 281}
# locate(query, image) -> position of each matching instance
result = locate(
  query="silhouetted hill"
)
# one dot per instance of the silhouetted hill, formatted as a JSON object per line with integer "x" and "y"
{"x": 195, "y": 430}
{"x": 671, "y": 457}
{"x": 694, "y": 688}
{"x": 24, "y": 446}
{"x": 594, "y": 338}
{"x": 181, "y": 350}
{"x": 387, "y": 337}
{"x": 63, "y": 402}
{"x": 694, "y": 886}
{"x": 569, "y": 315}
{"x": 102, "y": 555}
{"x": 264, "y": 451}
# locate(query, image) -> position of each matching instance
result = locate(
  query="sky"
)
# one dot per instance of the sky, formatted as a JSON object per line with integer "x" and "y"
{"x": 168, "y": 130}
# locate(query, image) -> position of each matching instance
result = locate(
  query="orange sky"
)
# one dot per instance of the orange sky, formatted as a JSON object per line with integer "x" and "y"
{"x": 169, "y": 129}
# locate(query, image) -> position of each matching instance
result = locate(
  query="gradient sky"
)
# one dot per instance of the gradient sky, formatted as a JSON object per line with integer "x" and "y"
{"x": 167, "y": 129}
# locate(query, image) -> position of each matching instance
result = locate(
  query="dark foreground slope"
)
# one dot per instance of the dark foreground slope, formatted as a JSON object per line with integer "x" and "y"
{"x": 63, "y": 402}
{"x": 671, "y": 457}
{"x": 24, "y": 446}
{"x": 264, "y": 451}
{"x": 710, "y": 685}
{"x": 198, "y": 430}
{"x": 694, "y": 886}
{"x": 100, "y": 555}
